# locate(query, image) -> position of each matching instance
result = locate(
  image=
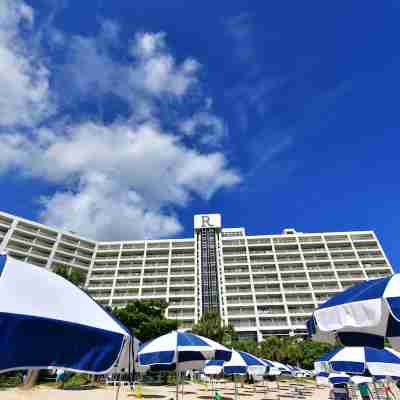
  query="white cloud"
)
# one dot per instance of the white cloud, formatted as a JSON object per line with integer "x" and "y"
{"x": 156, "y": 70}
{"x": 101, "y": 209}
{"x": 24, "y": 79}
{"x": 152, "y": 72}
{"x": 141, "y": 168}
{"x": 146, "y": 44}
{"x": 210, "y": 128}
{"x": 119, "y": 180}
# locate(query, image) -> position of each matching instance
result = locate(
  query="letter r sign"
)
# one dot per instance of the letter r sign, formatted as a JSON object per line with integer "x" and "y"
{"x": 205, "y": 221}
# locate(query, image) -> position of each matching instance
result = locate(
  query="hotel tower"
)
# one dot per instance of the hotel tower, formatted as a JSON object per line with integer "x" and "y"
{"x": 260, "y": 284}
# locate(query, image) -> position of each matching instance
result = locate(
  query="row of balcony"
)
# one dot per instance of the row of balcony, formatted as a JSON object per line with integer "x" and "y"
{"x": 141, "y": 245}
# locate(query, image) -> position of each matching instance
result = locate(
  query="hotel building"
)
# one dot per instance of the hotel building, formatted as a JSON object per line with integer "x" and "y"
{"x": 260, "y": 284}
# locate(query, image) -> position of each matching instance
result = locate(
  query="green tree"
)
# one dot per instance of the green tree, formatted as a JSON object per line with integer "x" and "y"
{"x": 271, "y": 348}
{"x": 74, "y": 276}
{"x": 312, "y": 351}
{"x": 249, "y": 346}
{"x": 292, "y": 351}
{"x": 212, "y": 327}
{"x": 146, "y": 318}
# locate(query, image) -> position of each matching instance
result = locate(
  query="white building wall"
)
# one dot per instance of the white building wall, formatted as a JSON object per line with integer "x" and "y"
{"x": 268, "y": 284}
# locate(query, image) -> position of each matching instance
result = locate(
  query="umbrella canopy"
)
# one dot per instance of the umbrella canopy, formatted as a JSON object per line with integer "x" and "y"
{"x": 47, "y": 322}
{"x": 272, "y": 368}
{"x": 214, "y": 367}
{"x": 243, "y": 363}
{"x": 282, "y": 367}
{"x": 356, "y": 360}
{"x": 338, "y": 378}
{"x": 182, "y": 350}
{"x": 322, "y": 378}
{"x": 357, "y": 379}
{"x": 364, "y": 314}
{"x": 239, "y": 364}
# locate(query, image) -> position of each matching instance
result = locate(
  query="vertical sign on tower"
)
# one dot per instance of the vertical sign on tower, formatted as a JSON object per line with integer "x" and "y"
{"x": 207, "y": 228}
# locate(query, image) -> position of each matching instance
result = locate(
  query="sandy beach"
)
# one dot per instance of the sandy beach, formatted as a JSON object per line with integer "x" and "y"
{"x": 191, "y": 392}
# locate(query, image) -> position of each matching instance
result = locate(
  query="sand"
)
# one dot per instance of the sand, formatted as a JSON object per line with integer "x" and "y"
{"x": 191, "y": 392}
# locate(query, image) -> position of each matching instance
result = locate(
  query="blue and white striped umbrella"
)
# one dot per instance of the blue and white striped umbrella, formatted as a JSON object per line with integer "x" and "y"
{"x": 322, "y": 378}
{"x": 338, "y": 378}
{"x": 47, "y": 322}
{"x": 273, "y": 370}
{"x": 181, "y": 349}
{"x": 357, "y": 379}
{"x": 268, "y": 363}
{"x": 356, "y": 360}
{"x": 363, "y": 315}
{"x": 243, "y": 363}
{"x": 240, "y": 363}
{"x": 285, "y": 369}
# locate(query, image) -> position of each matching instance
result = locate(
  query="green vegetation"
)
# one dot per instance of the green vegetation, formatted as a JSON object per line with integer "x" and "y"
{"x": 10, "y": 379}
{"x": 288, "y": 350}
{"x": 212, "y": 327}
{"x": 77, "y": 380}
{"x": 73, "y": 275}
{"x": 146, "y": 318}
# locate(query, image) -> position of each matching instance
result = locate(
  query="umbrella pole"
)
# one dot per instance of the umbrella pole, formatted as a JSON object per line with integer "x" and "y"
{"x": 116, "y": 391}
{"x": 182, "y": 382}
{"x": 277, "y": 384}
{"x": 376, "y": 390}
{"x": 236, "y": 389}
{"x": 265, "y": 388}
{"x": 177, "y": 369}
{"x": 177, "y": 382}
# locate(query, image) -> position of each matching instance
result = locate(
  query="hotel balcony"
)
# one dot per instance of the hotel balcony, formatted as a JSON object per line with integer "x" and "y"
{"x": 240, "y": 300}
{"x": 260, "y": 299}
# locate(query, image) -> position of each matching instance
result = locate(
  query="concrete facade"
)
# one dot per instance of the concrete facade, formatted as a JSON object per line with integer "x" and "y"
{"x": 262, "y": 285}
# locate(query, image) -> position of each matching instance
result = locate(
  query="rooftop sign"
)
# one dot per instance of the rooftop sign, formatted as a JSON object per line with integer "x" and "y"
{"x": 207, "y": 221}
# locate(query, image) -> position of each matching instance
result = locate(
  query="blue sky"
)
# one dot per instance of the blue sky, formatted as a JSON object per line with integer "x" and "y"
{"x": 275, "y": 114}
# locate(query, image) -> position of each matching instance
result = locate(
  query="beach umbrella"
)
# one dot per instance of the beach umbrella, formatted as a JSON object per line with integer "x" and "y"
{"x": 364, "y": 315}
{"x": 357, "y": 360}
{"x": 357, "y": 379}
{"x": 181, "y": 350}
{"x": 322, "y": 378}
{"x": 273, "y": 370}
{"x": 46, "y": 322}
{"x": 242, "y": 363}
{"x": 285, "y": 369}
{"x": 338, "y": 378}
{"x": 213, "y": 367}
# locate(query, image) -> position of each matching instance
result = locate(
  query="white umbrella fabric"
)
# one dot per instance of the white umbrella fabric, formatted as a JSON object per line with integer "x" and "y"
{"x": 47, "y": 322}
{"x": 322, "y": 378}
{"x": 181, "y": 350}
{"x": 242, "y": 363}
{"x": 364, "y": 315}
{"x": 338, "y": 378}
{"x": 356, "y": 360}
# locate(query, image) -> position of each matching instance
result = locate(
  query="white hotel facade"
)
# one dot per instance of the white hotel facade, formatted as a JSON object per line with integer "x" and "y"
{"x": 262, "y": 285}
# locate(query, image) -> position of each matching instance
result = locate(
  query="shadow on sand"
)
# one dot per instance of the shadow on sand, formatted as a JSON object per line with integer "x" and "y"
{"x": 81, "y": 387}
